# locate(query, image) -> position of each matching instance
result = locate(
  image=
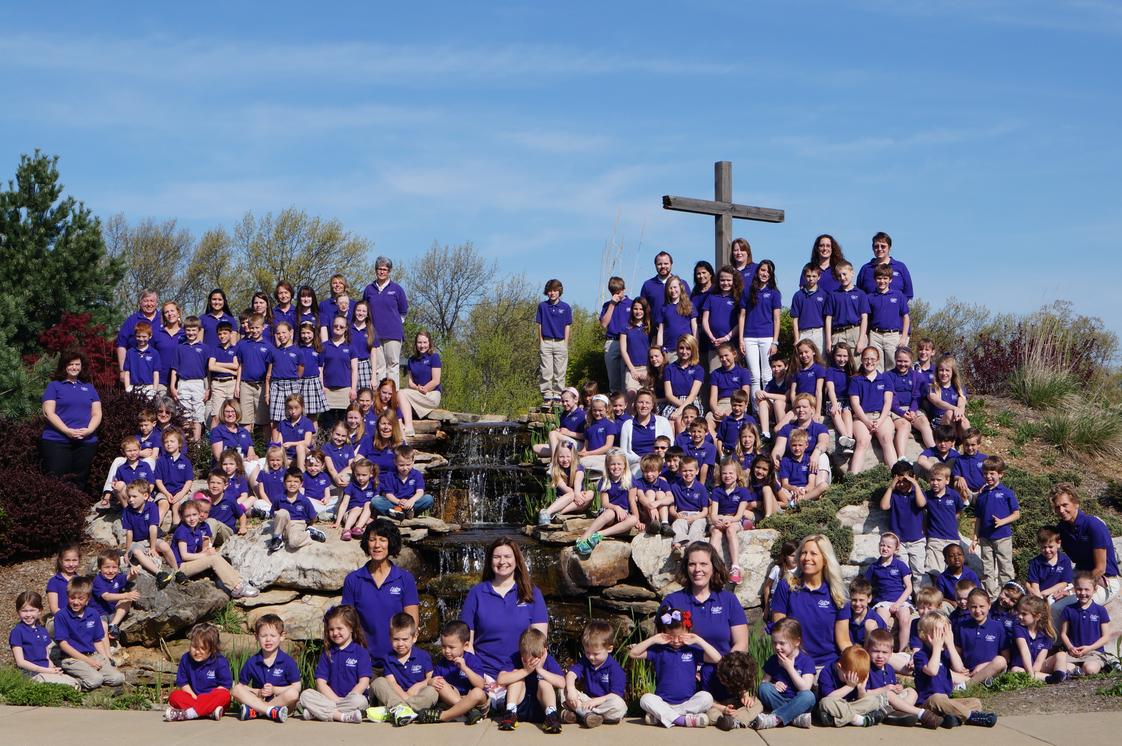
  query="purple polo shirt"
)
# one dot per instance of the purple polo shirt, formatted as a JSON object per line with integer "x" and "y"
{"x": 658, "y": 485}
{"x": 682, "y": 378}
{"x": 638, "y": 344}
{"x": 886, "y": 311}
{"x": 239, "y": 438}
{"x": 596, "y": 434}
{"x": 1084, "y": 626}
{"x": 142, "y": 365}
{"x": 273, "y": 483}
{"x": 1046, "y": 575}
{"x": 947, "y": 459}
{"x": 190, "y": 362}
{"x": 1035, "y": 644}
{"x": 676, "y": 671}
{"x": 926, "y": 684}
{"x": 654, "y": 292}
{"x": 204, "y": 676}
{"x": 300, "y": 509}
{"x": 869, "y": 392}
{"x": 804, "y": 664}
{"x": 401, "y": 487}
{"x": 126, "y": 335}
{"x": 999, "y": 502}
{"x": 619, "y": 317}
{"x": 643, "y": 436}
{"x": 880, "y": 677}
{"x": 82, "y": 631}
{"x": 728, "y": 501}
{"x": 809, "y": 307}
{"x": 139, "y": 522}
{"x": 174, "y": 472}
{"x": 980, "y": 643}
{"x": 388, "y": 306}
{"x": 827, "y": 281}
{"x": 713, "y": 620}
{"x": 946, "y": 581}
{"x": 608, "y": 678}
{"x": 816, "y": 612}
{"x": 553, "y": 318}
{"x": 342, "y": 667}
{"x": 616, "y": 492}
{"x": 795, "y": 471}
{"x": 311, "y": 361}
{"x": 168, "y": 346}
{"x": 329, "y": 308}
{"x": 728, "y": 429}
{"x": 830, "y": 680}
{"x": 219, "y": 354}
{"x": 57, "y": 584}
{"x": 102, "y": 586}
{"x": 706, "y": 453}
{"x": 383, "y": 458}
{"x": 906, "y": 390}
{"x": 129, "y": 473}
{"x": 901, "y": 279}
{"x": 942, "y": 514}
{"x": 192, "y": 537}
{"x": 1081, "y": 537}
{"x": 498, "y": 621}
{"x": 693, "y": 498}
{"x": 256, "y": 673}
{"x": 814, "y": 430}
{"x": 970, "y": 469}
{"x": 291, "y": 432}
{"x": 340, "y": 456}
{"x": 728, "y": 381}
{"x": 359, "y": 496}
{"x": 858, "y": 630}
{"x": 846, "y": 307}
{"x": 421, "y": 368}
{"x": 840, "y": 378}
{"x": 285, "y": 362}
{"x": 227, "y": 511}
{"x": 315, "y": 487}
{"x": 253, "y": 355}
{"x": 887, "y": 580}
{"x": 947, "y": 395}
{"x": 33, "y": 640}
{"x": 336, "y": 359}
{"x": 376, "y": 605}
{"x": 674, "y": 326}
{"x": 806, "y": 379}
{"x": 906, "y": 518}
{"x": 416, "y": 666}
{"x": 758, "y": 319}
{"x": 451, "y": 673}
{"x": 210, "y": 324}
{"x": 724, "y": 314}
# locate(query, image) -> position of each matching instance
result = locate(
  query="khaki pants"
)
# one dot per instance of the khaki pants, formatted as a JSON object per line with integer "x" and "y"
{"x": 997, "y": 563}
{"x": 220, "y": 391}
{"x": 612, "y": 708}
{"x": 886, "y": 342}
{"x": 941, "y": 704}
{"x": 254, "y": 409}
{"x": 915, "y": 554}
{"x": 817, "y": 336}
{"x": 389, "y": 361}
{"x": 295, "y": 533}
{"x": 423, "y": 404}
{"x": 838, "y": 712}
{"x": 742, "y": 715}
{"x": 667, "y": 713}
{"x": 219, "y": 530}
{"x": 553, "y": 362}
{"x": 323, "y": 707}
{"x": 56, "y": 678}
{"x": 934, "y": 557}
{"x": 613, "y": 361}
{"x": 216, "y": 562}
{"x": 385, "y": 693}
{"x": 689, "y": 531}
{"x": 91, "y": 678}
{"x": 850, "y": 336}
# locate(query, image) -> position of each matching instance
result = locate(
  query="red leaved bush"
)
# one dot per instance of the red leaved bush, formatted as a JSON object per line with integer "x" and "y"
{"x": 38, "y": 513}
{"x": 76, "y": 331}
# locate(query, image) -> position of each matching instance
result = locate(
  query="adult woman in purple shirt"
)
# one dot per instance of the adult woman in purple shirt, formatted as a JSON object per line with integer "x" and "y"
{"x": 73, "y": 412}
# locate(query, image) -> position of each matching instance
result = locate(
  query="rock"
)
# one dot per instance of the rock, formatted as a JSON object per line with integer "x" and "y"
{"x": 149, "y": 659}
{"x": 411, "y": 535}
{"x": 269, "y": 598}
{"x": 607, "y": 565}
{"x": 442, "y": 416}
{"x": 864, "y": 519}
{"x": 651, "y": 554}
{"x": 431, "y": 523}
{"x": 168, "y": 612}
{"x": 577, "y": 524}
{"x": 303, "y": 619}
{"x": 754, "y": 557}
{"x": 493, "y": 418}
{"x": 624, "y": 592}
{"x": 1117, "y": 548}
{"x": 430, "y": 618}
{"x": 105, "y": 528}
{"x": 849, "y": 572}
{"x": 635, "y": 607}
{"x": 560, "y": 538}
{"x": 865, "y": 548}
{"x": 315, "y": 567}
{"x": 237, "y": 643}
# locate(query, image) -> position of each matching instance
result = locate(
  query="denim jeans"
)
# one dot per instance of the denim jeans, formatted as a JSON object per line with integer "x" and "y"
{"x": 381, "y": 505}
{"x": 783, "y": 708}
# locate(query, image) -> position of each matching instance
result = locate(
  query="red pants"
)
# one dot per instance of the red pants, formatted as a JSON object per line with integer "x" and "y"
{"x": 204, "y": 704}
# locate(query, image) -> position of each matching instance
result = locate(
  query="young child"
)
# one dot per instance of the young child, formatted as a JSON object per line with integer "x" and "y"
{"x": 882, "y": 680}
{"x": 253, "y": 353}
{"x": 943, "y": 452}
{"x": 237, "y": 490}
{"x": 787, "y": 689}
{"x": 738, "y": 673}
{"x": 189, "y": 384}
{"x": 763, "y": 488}
{"x": 733, "y": 423}
{"x": 532, "y": 670}
{"x": 1084, "y": 628}
{"x": 317, "y": 484}
{"x": 226, "y": 516}
{"x": 555, "y": 322}
{"x": 458, "y": 679}
{"x": 311, "y": 377}
{"x": 620, "y": 414}
{"x": 690, "y": 510}
{"x": 353, "y": 512}
{"x": 340, "y": 456}
{"x": 944, "y": 506}
{"x": 405, "y": 688}
{"x": 808, "y": 309}
{"x": 596, "y": 684}
{"x": 907, "y": 387}
{"x": 675, "y": 653}
{"x": 111, "y": 597}
{"x": 133, "y": 468}
{"x": 600, "y": 435}
{"x": 29, "y": 642}
{"x": 862, "y": 619}
{"x": 705, "y": 452}
{"x": 837, "y": 394}
{"x": 730, "y": 505}
{"x": 403, "y": 489}
{"x": 905, "y": 501}
{"x": 174, "y": 474}
{"x": 343, "y": 672}
{"x": 1005, "y": 607}
{"x": 809, "y": 376}
{"x": 294, "y": 516}
{"x": 947, "y": 397}
{"x": 870, "y": 400}
{"x": 889, "y": 320}
{"x": 141, "y": 371}
{"x": 934, "y": 663}
{"x": 1050, "y": 573}
{"x": 843, "y": 689}
{"x": 784, "y": 564}
{"x": 81, "y": 638}
{"x": 967, "y": 470}
{"x": 1034, "y": 637}
{"x": 982, "y": 640}
{"x": 847, "y": 312}
{"x": 269, "y": 482}
{"x": 143, "y": 545}
{"x": 724, "y": 382}
{"x": 295, "y": 431}
{"x": 954, "y": 572}
{"x": 203, "y": 680}
{"x": 571, "y": 426}
{"x": 771, "y": 400}
{"x": 567, "y": 477}
{"x": 961, "y": 612}
{"x": 995, "y": 509}
{"x": 620, "y": 511}
{"x": 66, "y": 564}
{"x": 928, "y": 599}
{"x": 269, "y": 681}
{"x": 194, "y": 554}
{"x": 653, "y": 496}
{"x": 222, "y": 369}
{"x": 797, "y": 484}
{"x": 892, "y": 587}
{"x": 925, "y": 360}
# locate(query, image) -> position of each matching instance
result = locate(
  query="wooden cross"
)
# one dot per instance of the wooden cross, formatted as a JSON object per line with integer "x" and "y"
{"x": 723, "y": 209}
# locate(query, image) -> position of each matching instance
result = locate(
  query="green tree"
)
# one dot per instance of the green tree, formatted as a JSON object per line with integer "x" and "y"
{"x": 53, "y": 254}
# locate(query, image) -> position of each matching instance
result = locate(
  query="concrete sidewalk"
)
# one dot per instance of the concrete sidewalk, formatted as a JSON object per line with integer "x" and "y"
{"x": 29, "y": 725}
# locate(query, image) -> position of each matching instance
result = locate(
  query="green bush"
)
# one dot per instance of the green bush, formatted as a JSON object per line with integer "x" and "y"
{"x": 586, "y": 350}
{"x": 1040, "y": 387}
{"x": 132, "y": 701}
{"x": 19, "y": 691}
{"x": 1079, "y": 427}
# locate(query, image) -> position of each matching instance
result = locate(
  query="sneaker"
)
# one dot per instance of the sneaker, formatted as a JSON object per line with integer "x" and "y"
{"x": 275, "y": 544}
{"x": 595, "y": 539}
{"x": 163, "y": 578}
{"x": 735, "y": 575}
{"x": 803, "y": 721}
{"x": 1056, "y": 677}
{"x": 651, "y": 529}
{"x": 930, "y": 720}
{"x": 407, "y": 513}
{"x": 959, "y": 687}
{"x": 982, "y": 719}
{"x": 247, "y": 590}
{"x": 876, "y": 717}
{"x": 473, "y": 716}
{"x": 508, "y": 720}
{"x": 696, "y": 721}
{"x": 583, "y": 548}
{"x": 950, "y": 721}
{"x": 551, "y": 724}
{"x": 666, "y": 531}
{"x": 216, "y": 714}
{"x": 592, "y": 720}
{"x": 316, "y": 534}
{"x": 354, "y": 716}
{"x": 114, "y": 631}
{"x": 988, "y": 683}
{"x": 650, "y": 719}
{"x": 181, "y": 578}
{"x": 402, "y": 715}
{"x": 568, "y": 717}
{"x": 764, "y": 721}
{"x": 172, "y": 714}
{"x": 846, "y": 442}
{"x": 245, "y": 712}
{"x": 377, "y": 714}
{"x": 429, "y": 715}
{"x": 544, "y": 518}
{"x": 278, "y": 714}
{"x": 728, "y": 722}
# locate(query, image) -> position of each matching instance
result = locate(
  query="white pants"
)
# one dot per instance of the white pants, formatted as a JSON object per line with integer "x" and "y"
{"x": 389, "y": 361}
{"x": 191, "y": 393}
{"x": 689, "y": 531}
{"x": 323, "y": 707}
{"x": 668, "y": 713}
{"x": 612, "y": 708}
{"x": 756, "y": 352}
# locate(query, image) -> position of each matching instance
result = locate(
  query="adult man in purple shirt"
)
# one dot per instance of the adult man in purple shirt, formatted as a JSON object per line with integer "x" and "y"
{"x": 148, "y": 310}
{"x": 654, "y": 289}
{"x": 388, "y": 306}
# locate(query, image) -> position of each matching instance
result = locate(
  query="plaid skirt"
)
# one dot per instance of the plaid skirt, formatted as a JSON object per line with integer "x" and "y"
{"x": 365, "y": 374}
{"x": 279, "y": 389}
{"x": 311, "y": 389}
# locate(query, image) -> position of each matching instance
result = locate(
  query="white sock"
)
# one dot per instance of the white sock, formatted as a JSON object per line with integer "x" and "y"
{"x": 191, "y": 714}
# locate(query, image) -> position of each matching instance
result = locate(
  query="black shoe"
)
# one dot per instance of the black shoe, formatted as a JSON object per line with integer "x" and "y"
{"x": 473, "y": 716}
{"x": 727, "y": 723}
{"x": 552, "y": 724}
{"x": 508, "y": 720}
{"x": 666, "y": 531}
{"x": 950, "y": 721}
{"x": 162, "y": 579}
{"x": 876, "y": 717}
{"x": 982, "y": 719}
{"x": 1056, "y": 677}
{"x": 275, "y": 544}
{"x": 902, "y": 719}
{"x": 651, "y": 529}
{"x": 181, "y": 578}
{"x": 429, "y": 715}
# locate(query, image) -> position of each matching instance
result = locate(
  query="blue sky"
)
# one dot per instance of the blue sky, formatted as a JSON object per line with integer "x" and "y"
{"x": 982, "y": 135}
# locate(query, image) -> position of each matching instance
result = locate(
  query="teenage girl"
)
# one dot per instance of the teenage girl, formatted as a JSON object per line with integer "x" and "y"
{"x": 759, "y": 323}
{"x": 363, "y": 340}
{"x": 682, "y": 383}
{"x": 810, "y": 375}
{"x": 217, "y": 311}
{"x": 656, "y": 365}
{"x": 947, "y": 397}
{"x": 720, "y": 318}
{"x": 261, "y": 306}
{"x": 679, "y": 317}
{"x": 567, "y": 478}
{"x": 355, "y": 424}
{"x": 284, "y": 310}
{"x": 634, "y": 344}
{"x": 870, "y": 399}
{"x": 311, "y": 382}
{"x": 307, "y": 307}
{"x": 837, "y": 393}
{"x": 339, "y": 368}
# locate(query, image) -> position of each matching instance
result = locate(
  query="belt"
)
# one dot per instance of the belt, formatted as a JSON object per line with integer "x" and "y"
{"x": 223, "y": 378}
{"x": 879, "y": 330}
{"x": 843, "y": 328}
{"x": 553, "y": 339}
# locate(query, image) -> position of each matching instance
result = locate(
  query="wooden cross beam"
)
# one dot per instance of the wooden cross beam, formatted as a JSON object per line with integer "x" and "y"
{"x": 723, "y": 209}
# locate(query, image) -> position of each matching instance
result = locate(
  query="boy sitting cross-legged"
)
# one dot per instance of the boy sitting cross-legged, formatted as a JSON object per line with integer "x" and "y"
{"x": 269, "y": 682}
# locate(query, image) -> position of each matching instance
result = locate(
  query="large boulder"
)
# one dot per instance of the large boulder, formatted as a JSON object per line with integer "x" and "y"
{"x": 105, "y": 528}
{"x": 315, "y": 567}
{"x": 865, "y": 549}
{"x": 651, "y": 554}
{"x": 608, "y": 564}
{"x": 863, "y": 519}
{"x": 754, "y": 557}
{"x": 303, "y": 619}
{"x": 166, "y": 613}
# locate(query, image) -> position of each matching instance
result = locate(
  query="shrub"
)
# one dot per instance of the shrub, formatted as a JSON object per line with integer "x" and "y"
{"x": 19, "y": 691}
{"x": 818, "y": 517}
{"x": 586, "y": 350}
{"x": 78, "y": 331}
{"x": 1081, "y": 427}
{"x": 1040, "y": 386}
{"x": 133, "y": 701}
{"x": 119, "y": 411}
{"x": 38, "y": 513}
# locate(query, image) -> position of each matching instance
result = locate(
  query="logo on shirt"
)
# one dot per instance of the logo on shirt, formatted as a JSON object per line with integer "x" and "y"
{"x": 350, "y": 662}
{"x": 211, "y": 675}
{"x": 687, "y": 657}
{"x": 395, "y": 590}
{"x": 991, "y": 638}
{"x": 1093, "y": 617}
{"x": 716, "y": 609}
{"x": 823, "y": 603}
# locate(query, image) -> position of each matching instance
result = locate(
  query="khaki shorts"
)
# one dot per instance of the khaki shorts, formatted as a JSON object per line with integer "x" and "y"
{"x": 220, "y": 391}
{"x": 254, "y": 409}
